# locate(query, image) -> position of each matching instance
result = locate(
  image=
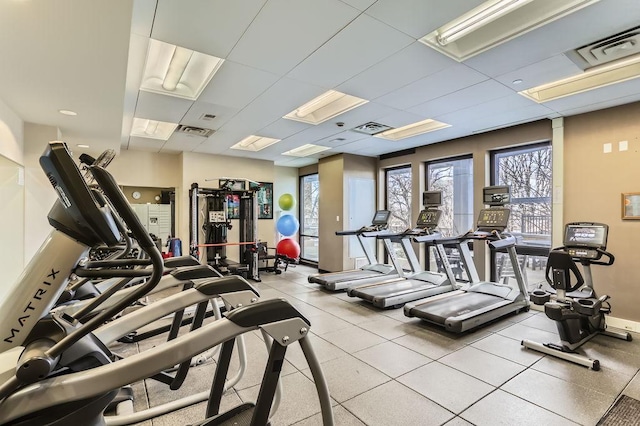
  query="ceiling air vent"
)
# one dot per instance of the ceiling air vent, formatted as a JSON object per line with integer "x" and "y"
{"x": 609, "y": 49}
{"x": 371, "y": 128}
{"x": 207, "y": 117}
{"x": 194, "y": 131}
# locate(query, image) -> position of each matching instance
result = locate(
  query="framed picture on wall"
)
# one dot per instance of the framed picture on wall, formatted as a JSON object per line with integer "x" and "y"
{"x": 631, "y": 205}
{"x": 264, "y": 197}
{"x": 233, "y": 206}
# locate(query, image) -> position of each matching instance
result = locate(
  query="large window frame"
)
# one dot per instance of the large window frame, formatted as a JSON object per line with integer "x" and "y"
{"x": 534, "y": 229}
{"x": 452, "y": 254}
{"x": 406, "y": 222}
{"x": 306, "y": 235}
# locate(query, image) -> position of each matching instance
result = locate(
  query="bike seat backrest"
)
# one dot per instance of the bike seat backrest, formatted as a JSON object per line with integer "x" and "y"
{"x": 563, "y": 266}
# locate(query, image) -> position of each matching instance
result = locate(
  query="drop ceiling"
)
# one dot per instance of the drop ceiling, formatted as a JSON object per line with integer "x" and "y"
{"x": 89, "y": 57}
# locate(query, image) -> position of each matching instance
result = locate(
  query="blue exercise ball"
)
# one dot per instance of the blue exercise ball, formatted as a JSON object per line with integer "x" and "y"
{"x": 287, "y": 225}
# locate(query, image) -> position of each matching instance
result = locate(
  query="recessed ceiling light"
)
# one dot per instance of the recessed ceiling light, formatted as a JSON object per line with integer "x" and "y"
{"x": 254, "y": 143}
{"x": 175, "y": 71}
{"x": 67, "y": 112}
{"x": 152, "y": 129}
{"x": 596, "y": 77}
{"x": 326, "y": 106}
{"x": 495, "y": 22}
{"x": 306, "y": 150}
{"x": 517, "y": 81}
{"x": 414, "y": 129}
{"x": 81, "y": 145}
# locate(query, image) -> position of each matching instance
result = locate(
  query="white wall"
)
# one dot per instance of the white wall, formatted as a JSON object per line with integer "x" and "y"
{"x": 39, "y": 195}
{"x": 11, "y": 134}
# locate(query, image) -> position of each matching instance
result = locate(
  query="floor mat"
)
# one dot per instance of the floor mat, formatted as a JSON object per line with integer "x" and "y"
{"x": 624, "y": 412}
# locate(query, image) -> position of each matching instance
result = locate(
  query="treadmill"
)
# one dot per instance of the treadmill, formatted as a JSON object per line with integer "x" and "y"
{"x": 342, "y": 280}
{"x": 395, "y": 293}
{"x": 482, "y": 302}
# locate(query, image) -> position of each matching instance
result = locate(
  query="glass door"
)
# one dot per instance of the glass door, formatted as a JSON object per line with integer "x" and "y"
{"x": 309, "y": 195}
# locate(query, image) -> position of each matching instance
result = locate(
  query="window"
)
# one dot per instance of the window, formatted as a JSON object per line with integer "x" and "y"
{"x": 527, "y": 170}
{"x": 309, "y": 194}
{"x": 454, "y": 177}
{"x": 398, "y": 201}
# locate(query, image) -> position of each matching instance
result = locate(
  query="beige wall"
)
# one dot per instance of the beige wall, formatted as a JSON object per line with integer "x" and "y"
{"x": 477, "y": 145}
{"x": 593, "y": 184}
{"x": 331, "y": 248}
{"x": 334, "y": 174}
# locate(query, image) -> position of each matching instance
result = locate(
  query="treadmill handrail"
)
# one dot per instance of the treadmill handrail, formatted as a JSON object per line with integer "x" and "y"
{"x": 434, "y": 238}
{"x": 361, "y": 231}
{"x": 411, "y": 232}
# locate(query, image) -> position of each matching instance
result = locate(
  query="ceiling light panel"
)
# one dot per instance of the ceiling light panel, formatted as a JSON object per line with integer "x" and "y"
{"x": 175, "y": 71}
{"x": 254, "y": 143}
{"x": 596, "y": 77}
{"x": 306, "y": 150}
{"x": 414, "y": 129}
{"x": 326, "y": 106}
{"x": 495, "y": 22}
{"x": 152, "y": 129}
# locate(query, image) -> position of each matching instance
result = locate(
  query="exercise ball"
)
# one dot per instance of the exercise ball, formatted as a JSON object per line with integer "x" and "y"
{"x": 286, "y": 201}
{"x": 287, "y": 225}
{"x": 288, "y": 247}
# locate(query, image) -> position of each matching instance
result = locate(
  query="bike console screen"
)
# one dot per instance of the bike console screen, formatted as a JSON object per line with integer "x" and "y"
{"x": 586, "y": 235}
{"x": 428, "y": 218}
{"x": 493, "y": 218}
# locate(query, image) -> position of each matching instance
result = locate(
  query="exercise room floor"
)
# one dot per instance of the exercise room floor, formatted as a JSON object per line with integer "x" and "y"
{"x": 386, "y": 369}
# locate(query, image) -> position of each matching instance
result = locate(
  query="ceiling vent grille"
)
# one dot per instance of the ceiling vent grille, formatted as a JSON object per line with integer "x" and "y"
{"x": 194, "y": 131}
{"x": 371, "y": 128}
{"x": 207, "y": 117}
{"x": 609, "y": 49}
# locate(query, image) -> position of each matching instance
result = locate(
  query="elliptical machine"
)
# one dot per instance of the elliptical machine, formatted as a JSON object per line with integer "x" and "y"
{"x": 578, "y": 319}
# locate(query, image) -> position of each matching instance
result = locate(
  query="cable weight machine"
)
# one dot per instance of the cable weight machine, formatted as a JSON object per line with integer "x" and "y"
{"x": 209, "y": 215}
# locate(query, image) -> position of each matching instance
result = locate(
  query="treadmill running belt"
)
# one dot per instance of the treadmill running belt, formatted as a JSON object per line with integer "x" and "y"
{"x": 341, "y": 276}
{"x": 390, "y": 289}
{"x": 438, "y": 311}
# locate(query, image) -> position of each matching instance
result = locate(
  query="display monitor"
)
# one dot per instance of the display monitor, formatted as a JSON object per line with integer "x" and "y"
{"x": 496, "y": 195}
{"x": 432, "y": 198}
{"x": 381, "y": 218}
{"x": 495, "y": 218}
{"x": 586, "y": 235}
{"x": 428, "y": 218}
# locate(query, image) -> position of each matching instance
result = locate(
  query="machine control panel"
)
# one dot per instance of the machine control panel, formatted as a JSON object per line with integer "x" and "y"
{"x": 493, "y": 218}
{"x": 583, "y": 253}
{"x": 586, "y": 235}
{"x": 428, "y": 218}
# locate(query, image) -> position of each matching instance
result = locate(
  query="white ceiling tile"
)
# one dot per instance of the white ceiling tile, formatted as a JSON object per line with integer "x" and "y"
{"x": 280, "y": 99}
{"x": 283, "y": 128}
{"x": 364, "y": 42}
{"x": 419, "y": 17}
{"x": 602, "y": 94}
{"x": 207, "y": 26}
{"x": 400, "y": 118}
{"x": 510, "y": 118}
{"x": 467, "y": 97}
{"x": 408, "y": 65}
{"x": 371, "y": 111}
{"x": 601, "y": 105}
{"x": 285, "y": 161}
{"x": 180, "y": 142}
{"x": 142, "y": 17}
{"x": 193, "y": 117}
{"x": 285, "y": 32}
{"x": 542, "y": 72}
{"x": 492, "y": 108}
{"x": 235, "y": 85}
{"x": 439, "y": 84}
{"x": 154, "y": 106}
{"x": 144, "y": 144}
{"x": 359, "y": 4}
{"x": 588, "y": 25}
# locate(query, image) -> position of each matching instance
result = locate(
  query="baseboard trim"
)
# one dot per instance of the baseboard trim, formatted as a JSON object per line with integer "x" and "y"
{"x": 623, "y": 324}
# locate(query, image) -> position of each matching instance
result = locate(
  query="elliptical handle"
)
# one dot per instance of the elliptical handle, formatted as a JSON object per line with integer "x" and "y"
{"x": 610, "y": 258}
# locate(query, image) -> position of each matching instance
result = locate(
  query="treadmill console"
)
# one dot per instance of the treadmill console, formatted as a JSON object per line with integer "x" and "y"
{"x": 381, "y": 218}
{"x": 432, "y": 198}
{"x": 583, "y": 239}
{"x": 496, "y": 195}
{"x": 495, "y": 218}
{"x": 428, "y": 218}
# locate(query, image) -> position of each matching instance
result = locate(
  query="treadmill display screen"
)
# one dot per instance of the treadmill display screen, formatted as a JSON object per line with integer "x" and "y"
{"x": 495, "y": 218}
{"x": 428, "y": 218}
{"x": 381, "y": 218}
{"x": 586, "y": 235}
{"x": 496, "y": 195}
{"x": 432, "y": 198}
